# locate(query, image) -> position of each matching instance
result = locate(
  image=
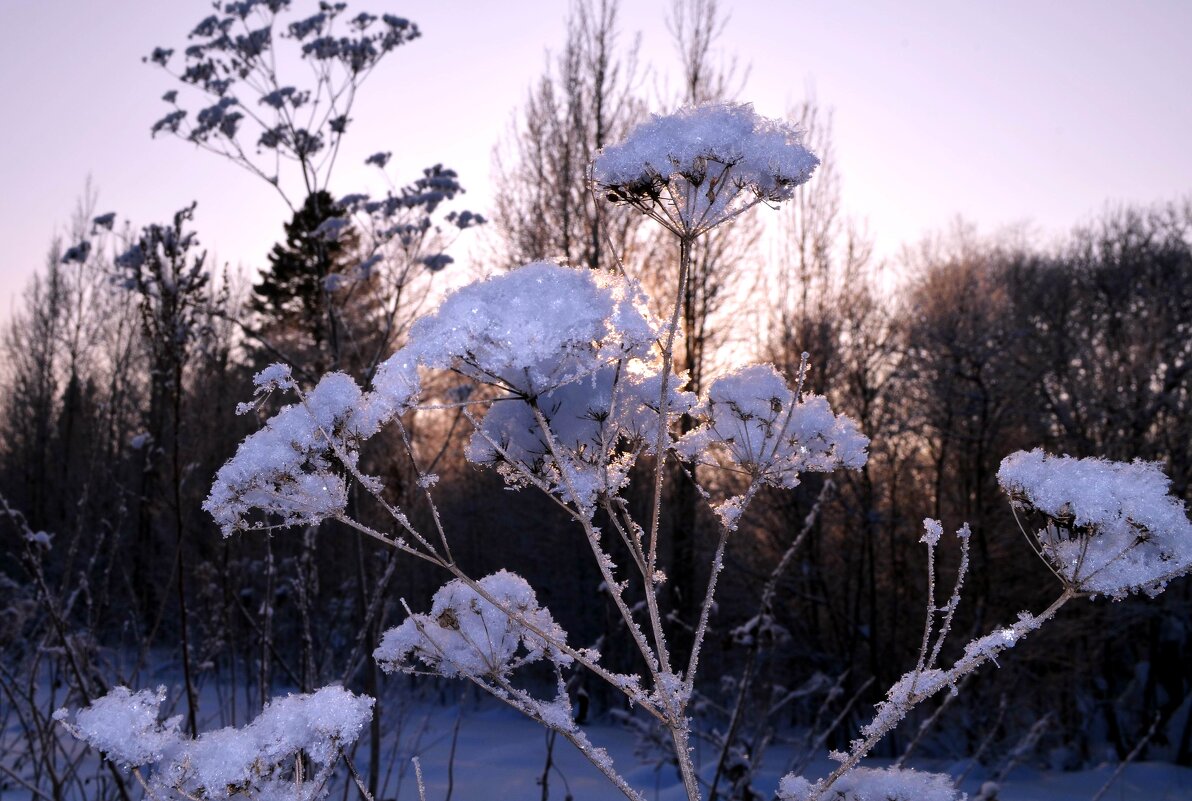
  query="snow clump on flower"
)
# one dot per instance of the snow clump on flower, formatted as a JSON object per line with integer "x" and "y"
{"x": 293, "y": 467}
{"x": 1112, "y": 528}
{"x": 697, "y": 167}
{"x": 123, "y": 725}
{"x": 536, "y": 328}
{"x": 254, "y": 761}
{"x": 467, "y": 635}
{"x": 756, "y": 422}
{"x": 530, "y": 331}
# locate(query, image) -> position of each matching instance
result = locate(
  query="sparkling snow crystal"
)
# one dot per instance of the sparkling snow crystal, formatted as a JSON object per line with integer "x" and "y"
{"x": 700, "y": 165}
{"x": 1111, "y": 528}
{"x": 124, "y": 725}
{"x": 465, "y": 634}
{"x": 754, "y": 419}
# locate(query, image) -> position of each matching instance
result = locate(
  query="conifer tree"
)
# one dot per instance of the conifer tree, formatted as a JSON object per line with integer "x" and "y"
{"x": 293, "y": 293}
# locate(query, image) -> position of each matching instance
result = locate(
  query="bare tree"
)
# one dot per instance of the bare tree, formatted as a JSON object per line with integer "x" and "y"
{"x": 545, "y": 206}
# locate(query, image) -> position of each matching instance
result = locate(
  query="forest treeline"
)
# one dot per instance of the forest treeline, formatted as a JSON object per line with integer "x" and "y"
{"x": 127, "y": 356}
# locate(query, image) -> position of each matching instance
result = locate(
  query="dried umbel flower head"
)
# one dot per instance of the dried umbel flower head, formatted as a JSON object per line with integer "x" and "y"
{"x": 1110, "y": 528}
{"x": 593, "y": 430}
{"x": 703, "y": 165}
{"x": 467, "y": 634}
{"x": 757, "y": 423}
{"x": 536, "y": 328}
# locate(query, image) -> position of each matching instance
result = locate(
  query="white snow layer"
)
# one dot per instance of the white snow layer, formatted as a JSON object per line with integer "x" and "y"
{"x": 875, "y": 784}
{"x": 1112, "y": 528}
{"x": 709, "y": 158}
{"x": 293, "y": 466}
{"x": 535, "y": 328}
{"x": 253, "y": 761}
{"x": 466, "y": 634}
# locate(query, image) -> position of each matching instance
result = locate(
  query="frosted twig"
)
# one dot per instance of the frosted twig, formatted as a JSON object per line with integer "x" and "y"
{"x": 964, "y": 535}
{"x": 917, "y": 686}
{"x": 356, "y": 776}
{"x": 418, "y": 778}
{"x": 660, "y": 452}
{"x": 603, "y": 561}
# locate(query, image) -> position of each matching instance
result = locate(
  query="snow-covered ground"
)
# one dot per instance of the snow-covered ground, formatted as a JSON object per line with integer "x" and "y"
{"x": 499, "y": 757}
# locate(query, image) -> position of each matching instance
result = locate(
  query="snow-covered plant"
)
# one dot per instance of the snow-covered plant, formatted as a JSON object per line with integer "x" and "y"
{"x": 577, "y": 376}
{"x": 537, "y": 328}
{"x": 577, "y": 379}
{"x": 703, "y": 165}
{"x": 1109, "y": 528}
{"x": 466, "y": 634}
{"x": 600, "y": 426}
{"x": 260, "y": 760}
{"x": 295, "y": 467}
{"x": 752, "y": 420}
{"x": 1112, "y": 528}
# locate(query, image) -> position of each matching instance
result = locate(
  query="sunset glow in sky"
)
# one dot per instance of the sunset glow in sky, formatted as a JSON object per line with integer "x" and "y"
{"x": 1003, "y": 112}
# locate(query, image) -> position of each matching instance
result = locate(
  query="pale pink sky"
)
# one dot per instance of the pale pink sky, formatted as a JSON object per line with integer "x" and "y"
{"x": 1004, "y": 112}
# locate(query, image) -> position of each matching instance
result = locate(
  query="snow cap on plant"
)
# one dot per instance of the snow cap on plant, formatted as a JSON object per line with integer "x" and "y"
{"x": 466, "y": 635}
{"x": 756, "y": 421}
{"x": 1110, "y": 528}
{"x": 124, "y": 726}
{"x": 700, "y": 166}
{"x": 293, "y": 468}
{"x": 536, "y": 328}
{"x": 250, "y": 762}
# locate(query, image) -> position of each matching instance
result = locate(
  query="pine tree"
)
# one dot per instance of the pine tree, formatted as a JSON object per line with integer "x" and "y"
{"x": 293, "y": 295}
